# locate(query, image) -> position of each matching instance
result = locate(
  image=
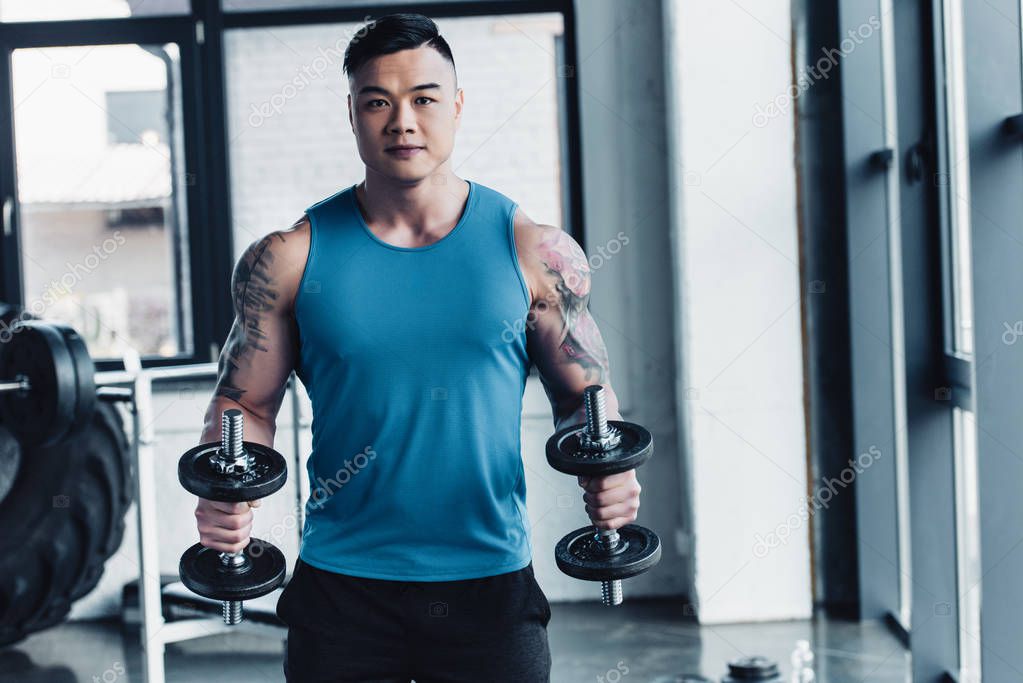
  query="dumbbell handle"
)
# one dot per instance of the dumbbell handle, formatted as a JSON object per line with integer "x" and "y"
{"x": 598, "y": 435}
{"x": 232, "y": 429}
{"x": 232, "y": 609}
{"x": 232, "y": 456}
{"x": 610, "y": 591}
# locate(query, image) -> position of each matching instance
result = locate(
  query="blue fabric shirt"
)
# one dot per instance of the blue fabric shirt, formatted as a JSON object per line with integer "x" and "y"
{"x": 415, "y": 362}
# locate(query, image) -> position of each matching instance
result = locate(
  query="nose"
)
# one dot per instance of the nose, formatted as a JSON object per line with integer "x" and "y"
{"x": 403, "y": 120}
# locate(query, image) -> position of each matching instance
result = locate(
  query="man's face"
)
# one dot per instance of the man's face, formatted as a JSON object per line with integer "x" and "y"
{"x": 405, "y": 98}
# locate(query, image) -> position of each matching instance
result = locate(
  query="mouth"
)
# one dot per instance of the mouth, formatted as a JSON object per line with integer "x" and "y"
{"x": 403, "y": 151}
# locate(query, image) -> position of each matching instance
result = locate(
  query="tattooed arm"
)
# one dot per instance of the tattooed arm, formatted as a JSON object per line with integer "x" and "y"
{"x": 260, "y": 352}
{"x": 562, "y": 338}
{"x": 262, "y": 346}
{"x": 565, "y": 345}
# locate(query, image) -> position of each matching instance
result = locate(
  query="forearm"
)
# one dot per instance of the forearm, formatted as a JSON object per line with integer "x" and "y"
{"x": 256, "y": 428}
{"x": 575, "y": 412}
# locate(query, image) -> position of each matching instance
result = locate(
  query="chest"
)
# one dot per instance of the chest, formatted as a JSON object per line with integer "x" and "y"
{"x": 412, "y": 307}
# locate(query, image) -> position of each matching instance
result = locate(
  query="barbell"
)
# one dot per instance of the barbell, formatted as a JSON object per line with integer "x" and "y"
{"x": 48, "y": 386}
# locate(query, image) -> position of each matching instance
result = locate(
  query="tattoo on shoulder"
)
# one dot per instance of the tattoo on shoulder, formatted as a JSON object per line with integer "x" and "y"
{"x": 567, "y": 265}
{"x": 253, "y": 292}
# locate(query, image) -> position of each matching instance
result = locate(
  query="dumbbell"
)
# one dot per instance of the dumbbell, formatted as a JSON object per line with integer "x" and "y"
{"x": 755, "y": 668}
{"x": 232, "y": 471}
{"x": 601, "y": 448}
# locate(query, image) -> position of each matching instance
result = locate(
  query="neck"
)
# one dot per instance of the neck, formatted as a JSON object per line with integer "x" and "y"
{"x": 414, "y": 206}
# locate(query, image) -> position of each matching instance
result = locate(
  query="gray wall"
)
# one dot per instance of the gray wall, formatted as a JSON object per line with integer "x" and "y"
{"x": 735, "y": 243}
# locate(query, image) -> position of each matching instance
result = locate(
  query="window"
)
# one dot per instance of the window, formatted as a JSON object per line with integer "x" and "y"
{"x": 97, "y": 137}
{"x": 247, "y": 5}
{"x": 967, "y": 545}
{"x": 51, "y": 10}
{"x": 959, "y": 340}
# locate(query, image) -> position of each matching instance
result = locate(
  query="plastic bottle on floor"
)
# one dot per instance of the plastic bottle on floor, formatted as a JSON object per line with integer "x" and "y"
{"x": 802, "y": 662}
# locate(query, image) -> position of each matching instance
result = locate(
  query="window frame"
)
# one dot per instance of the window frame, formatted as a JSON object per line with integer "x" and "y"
{"x": 899, "y": 318}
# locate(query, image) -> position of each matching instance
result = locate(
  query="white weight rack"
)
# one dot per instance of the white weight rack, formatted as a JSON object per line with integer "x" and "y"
{"x": 156, "y": 632}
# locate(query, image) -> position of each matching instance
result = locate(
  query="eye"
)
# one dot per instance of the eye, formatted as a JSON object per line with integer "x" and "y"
{"x": 424, "y": 97}
{"x": 370, "y": 103}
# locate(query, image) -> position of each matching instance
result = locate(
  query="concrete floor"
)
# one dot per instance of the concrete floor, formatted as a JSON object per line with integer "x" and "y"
{"x": 639, "y": 642}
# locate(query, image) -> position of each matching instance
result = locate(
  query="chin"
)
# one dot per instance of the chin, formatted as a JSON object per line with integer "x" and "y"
{"x": 409, "y": 171}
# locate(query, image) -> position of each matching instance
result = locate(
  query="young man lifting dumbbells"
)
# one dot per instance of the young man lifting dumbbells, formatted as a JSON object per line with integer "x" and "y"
{"x": 411, "y": 306}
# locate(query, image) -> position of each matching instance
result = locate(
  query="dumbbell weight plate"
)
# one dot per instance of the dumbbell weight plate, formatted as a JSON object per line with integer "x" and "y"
{"x": 61, "y": 382}
{"x": 565, "y": 453}
{"x": 203, "y": 572}
{"x": 579, "y": 555}
{"x": 268, "y": 473}
{"x": 755, "y": 668}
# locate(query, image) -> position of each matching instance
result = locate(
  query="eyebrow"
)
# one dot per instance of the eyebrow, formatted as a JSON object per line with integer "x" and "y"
{"x": 383, "y": 91}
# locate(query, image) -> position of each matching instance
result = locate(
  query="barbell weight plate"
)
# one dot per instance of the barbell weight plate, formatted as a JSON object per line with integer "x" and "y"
{"x": 44, "y": 414}
{"x": 268, "y": 473}
{"x": 85, "y": 379}
{"x": 203, "y": 572}
{"x": 579, "y": 555}
{"x": 566, "y": 454}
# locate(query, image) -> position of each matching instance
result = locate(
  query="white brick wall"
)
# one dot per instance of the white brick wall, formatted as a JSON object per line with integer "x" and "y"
{"x": 508, "y": 138}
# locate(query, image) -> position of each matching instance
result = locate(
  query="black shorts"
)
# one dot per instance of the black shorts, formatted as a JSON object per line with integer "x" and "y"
{"x": 347, "y": 628}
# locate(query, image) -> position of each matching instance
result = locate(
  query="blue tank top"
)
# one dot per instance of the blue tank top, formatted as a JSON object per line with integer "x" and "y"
{"x": 415, "y": 361}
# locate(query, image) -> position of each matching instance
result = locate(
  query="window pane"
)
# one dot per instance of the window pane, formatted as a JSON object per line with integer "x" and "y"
{"x": 967, "y": 545}
{"x": 100, "y": 192}
{"x": 957, "y": 182}
{"x": 291, "y": 143}
{"x": 51, "y": 10}
{"x": 245, "y": 5}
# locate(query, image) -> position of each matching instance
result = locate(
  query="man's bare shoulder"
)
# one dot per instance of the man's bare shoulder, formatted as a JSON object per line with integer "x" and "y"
{"x": 549, "y": 257}
{"x": 275, "y": 263}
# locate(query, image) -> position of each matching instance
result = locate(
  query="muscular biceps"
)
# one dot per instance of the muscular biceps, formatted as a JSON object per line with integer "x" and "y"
{"x": 562, "y": 338}
{"x": 262, "y": 346}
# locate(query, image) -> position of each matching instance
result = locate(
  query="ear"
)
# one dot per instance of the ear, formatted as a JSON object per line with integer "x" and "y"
{"x": 459, "y": 103}
{"x": 351, "y": 120}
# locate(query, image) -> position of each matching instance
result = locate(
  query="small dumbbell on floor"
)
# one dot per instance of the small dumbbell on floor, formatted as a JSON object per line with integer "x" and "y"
{"x": 232, "y": 471}
{"x": 753, "y": 668}
{"x": 600, "y": 448}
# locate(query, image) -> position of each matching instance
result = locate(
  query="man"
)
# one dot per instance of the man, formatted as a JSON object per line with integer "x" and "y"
{"x": 411, "y": 305}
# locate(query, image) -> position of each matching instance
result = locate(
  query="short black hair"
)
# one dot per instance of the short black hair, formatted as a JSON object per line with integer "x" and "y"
{"x": 393, "y": 33}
